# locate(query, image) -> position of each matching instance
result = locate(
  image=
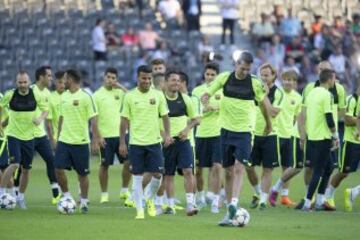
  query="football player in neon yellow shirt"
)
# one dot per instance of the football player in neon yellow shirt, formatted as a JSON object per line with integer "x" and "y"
{"x": 22, "y": 104}
{"x": 237, "y": 121}
{"x": 77, "y": 109}
{"x": 322, "y": 136}
{"x": 291, "y": 154}
{"x": 265, "y": 151}
{"x": 208, "y": 151}
{"x": 4, "y": 156}
{"x": 108, "y": 101}
{"x": 140, "y": 113}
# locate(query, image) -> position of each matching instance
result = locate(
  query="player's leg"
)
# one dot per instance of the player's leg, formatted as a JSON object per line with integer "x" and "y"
{"x": 320, "y": 203}
{"x": 27, "y": 154}
{"x": 200, "y": 195}
{"x": 308, "y": 171}
{"x": 125, "y": 173}
{"x": 256, "y": 156}
{"x": 320, "y": 156}
{"x": 62, "y": 162}
{"x": 215, "y": 186}
{"x": 287, "y": 162}
{"x": 202, "y": 162}
{"x": 4, "y": 163}
{"x": 170, "y": 169}
{"x": 107, "y": 155}
{"x": 43, "y": 147}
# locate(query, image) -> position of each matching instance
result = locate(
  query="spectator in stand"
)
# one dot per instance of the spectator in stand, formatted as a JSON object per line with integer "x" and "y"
{"x": 259, "y": 60}
{"x": 171, "y": 12}
{"x": 349, "y": 41}
{"x": 331, "y": 41}
{"x": 339, "y": 25}
{"x": 112, "y": 37}
{"x": 316, "y": 26}
{"x": 338, "y": 63}
{"x": 263, "y": 31}
{"x": 295, "y": 49}
{"x": 99, "y": 40}
{"x": 275, "y": 52}
{"x": 192, "y": 12}
{"x": 356, "y": 25}
{"x": 308, "y": 72}
{"x": 141, "y": 60}
{"x": 290, "y": 64}
{"x": 148, "y": 38}
{"x": 229, "y": 14}
{"x": 162, "y": 52}
{"x": 319, "y": 38}
{"x": 130, "y": 38}
{"x": 290, "y": 27}
{"x": 205, "y": 45}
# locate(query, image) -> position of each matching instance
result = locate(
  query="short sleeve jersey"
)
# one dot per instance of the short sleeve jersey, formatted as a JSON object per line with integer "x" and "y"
{"x": 318, "y": 103}
{"x": 143, "y": 111}
{"x": 108, "y": 104}
{"x": 76, "y": 109}
{"x": 288, "y": 114}
{"x": 237, "y": 106}
{"x": 209, "y": 125}
{"x": 54, "y": 111}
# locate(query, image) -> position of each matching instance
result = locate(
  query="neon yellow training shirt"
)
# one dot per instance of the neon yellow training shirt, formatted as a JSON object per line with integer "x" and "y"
{"x": 108, "y": 104}
{"x": 143, "y": 111}
{"x": 238, "y": 114}
{"x": 209, "y": 125}
{"x": 54, "y": 111}
{"x": 287, "y": 116}
{"x": 76, "y": 109}
{"x": 21, "y": 124}
{"x": 352, "y": 110}
{"x": 318, "y": 103}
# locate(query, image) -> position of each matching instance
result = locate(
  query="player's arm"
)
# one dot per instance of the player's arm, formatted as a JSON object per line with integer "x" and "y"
{"x": 194, "y": 119}
{"x": 342, "y": 101}
{"x": 124, "y": 125}
{"x": 350, "y": 119}
{"x": 328, "y": 105}
{"x": 265, "y": 107}
{"x": 358, "y": 126}
{"x": 44, "y": 107}
{"x": 98, "y": 141}
{"x": 218, "y": 83}
{"x": 278, "y": 103}
{"x": 301, "y": 125}
{"x": 50, "y": 132}
{"x": 120, "y": 86}
{"x": 61, "y": 120}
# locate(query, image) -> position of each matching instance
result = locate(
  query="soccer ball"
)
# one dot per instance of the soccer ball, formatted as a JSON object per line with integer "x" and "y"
{"x": 7, "y": 202}
{"x": 242, "y": 218}
{"x": 66, "y": 206}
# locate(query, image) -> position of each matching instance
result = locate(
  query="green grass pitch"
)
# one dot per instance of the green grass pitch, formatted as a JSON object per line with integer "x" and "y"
{"x": 113, "y": 221}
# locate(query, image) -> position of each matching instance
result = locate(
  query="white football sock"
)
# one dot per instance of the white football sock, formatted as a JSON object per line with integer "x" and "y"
{"x": 158, "y": 200}
{"x": 54, "y": 185}
{"x": 210, "y": 195}
{"x": 320, "y": 198}
{"x": 234, "y": 201}
{"x": 171, "y": 202}
{"x": 153, "y": 188}
{"x": 104, "y": 194}
{"x": 355, "y": 192}
{"x": 257, "y": 189}
{"x": 278, "y": 185}
{"x": 330, "y": 191}
{"x": 215, "y": 200}
{"x": 138, "y": 192}
{"x": 190, "y": 198}
{"x": 307, "y": 203}
{"x": 200, "y": 196}
{"x": 84, "y": 201}
{"x": 285, "y": 192}
{"x": 21, "y": 196}
{"x": 263, "y": 197}
{"x": 67, "y": 195}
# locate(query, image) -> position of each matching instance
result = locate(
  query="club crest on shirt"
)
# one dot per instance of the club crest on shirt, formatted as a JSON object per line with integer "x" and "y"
{"x": 76, "y": 102}
{"x": 152, "y": 101}
{"x": 217, "y": 96}
{"x": 117, "y": 97}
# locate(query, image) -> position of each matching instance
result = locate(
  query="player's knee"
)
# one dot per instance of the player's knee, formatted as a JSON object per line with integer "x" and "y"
{"x": 104, "y": 167}
{"x": 267, "y": 171}
{"x": 216, "y": 168}
{"x": 187, "y": 172}
{"x": 157, "y": 175}
{"x": 229, "y": 173}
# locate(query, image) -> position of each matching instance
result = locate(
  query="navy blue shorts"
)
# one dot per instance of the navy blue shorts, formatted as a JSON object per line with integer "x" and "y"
{"x": 71, "y": 156}
{"x": 265, "y": 151}
{"x": 178, "y": 155}
{"x": 350, "y": 157}
{"x": 235, "y": 146}
{"x": 320, "y": 153}
{"x": 298, "y": 154}
{"x": 146, "y": 159}
{"x": 207, "y": 151}
{"x": 286, "y": 152}
{"x": 107, "y": 154}
{"x": 21, "y": 152}
{"x": 4, "y": 156}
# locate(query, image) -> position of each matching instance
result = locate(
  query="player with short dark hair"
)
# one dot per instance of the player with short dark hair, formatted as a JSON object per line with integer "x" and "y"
{"x": 77, "y": 109}
{"x": 237, "y": 118}
{"x": 208, "y": 151}
{"x": 24, "y": 119}
{"x": 141, "y": 109}
{"x": 108, "y": 100}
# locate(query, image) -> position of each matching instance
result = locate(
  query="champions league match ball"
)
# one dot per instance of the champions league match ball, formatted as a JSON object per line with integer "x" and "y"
{"x": 66, "y": 206}
{"x": 7, "y": 202}
{"x": 242, "y": 218}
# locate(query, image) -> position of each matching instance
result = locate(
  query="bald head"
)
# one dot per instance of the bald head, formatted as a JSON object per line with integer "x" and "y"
{"x": 324, "y": 65}
{"x": 23, "y": 81}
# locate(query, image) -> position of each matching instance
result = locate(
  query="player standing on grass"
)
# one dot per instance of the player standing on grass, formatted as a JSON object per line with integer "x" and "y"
{"x": 351, "y": 146}
{"x": 208, "y": 150}
{"x": 237, "y": 117}
{"x": 265, "y": 151}
{"x": 338, "y": 93}
{"x": 290, "y": 152}
{"x": 77, "y": 109}
{"x": 108, "y": 101}
{"x": 179, "y": 155}
{"x": 24, "y": 118}
{"x": 322, "y": 136}
{"x": 141, "y": 109}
